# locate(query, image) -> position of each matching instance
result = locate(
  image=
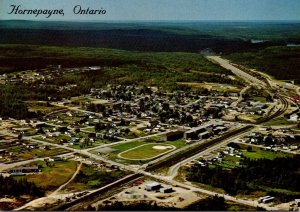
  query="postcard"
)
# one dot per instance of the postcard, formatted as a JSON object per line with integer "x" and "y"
{"x": 149, "y": 105}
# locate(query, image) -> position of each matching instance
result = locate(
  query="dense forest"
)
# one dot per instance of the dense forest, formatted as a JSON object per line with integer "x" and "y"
{"x": 225, "y": 37}
{"x": 23, "y": 57}
{"x": 279, "y": 177}
{"x": 11, "y": 104}
{"x": 281, "y": 62}
{"x": 10, "y": 186}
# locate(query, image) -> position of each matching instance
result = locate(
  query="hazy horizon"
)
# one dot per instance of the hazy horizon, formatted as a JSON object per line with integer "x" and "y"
{"x": 161, "y": 10}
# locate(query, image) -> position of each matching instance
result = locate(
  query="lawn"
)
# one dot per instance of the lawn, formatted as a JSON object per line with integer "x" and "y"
{"x": 145, "y": 152}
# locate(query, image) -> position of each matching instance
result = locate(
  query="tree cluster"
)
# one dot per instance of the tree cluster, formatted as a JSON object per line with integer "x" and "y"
{"x": 10, "y": 186}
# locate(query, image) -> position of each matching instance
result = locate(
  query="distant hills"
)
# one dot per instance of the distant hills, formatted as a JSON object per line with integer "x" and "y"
{"x": 226, "y": 37}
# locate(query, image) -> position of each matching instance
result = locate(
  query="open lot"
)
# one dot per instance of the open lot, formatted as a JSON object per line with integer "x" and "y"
{"x": 179, "y": 197}
{"x": 211, "y": 86}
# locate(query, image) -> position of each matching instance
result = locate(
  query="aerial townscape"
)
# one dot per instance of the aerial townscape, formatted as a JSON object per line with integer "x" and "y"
{"x": 187, "y": 116}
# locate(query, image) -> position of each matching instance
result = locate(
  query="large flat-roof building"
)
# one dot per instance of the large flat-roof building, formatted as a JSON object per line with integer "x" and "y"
{"x": 193, "y": 133}
{"x": 152, "y": 186}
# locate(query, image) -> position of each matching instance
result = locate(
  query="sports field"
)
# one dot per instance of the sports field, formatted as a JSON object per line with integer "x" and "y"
{"x": 146, "y": 151}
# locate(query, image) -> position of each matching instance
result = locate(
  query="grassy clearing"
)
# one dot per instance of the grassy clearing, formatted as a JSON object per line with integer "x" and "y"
{"x": 257, "y": 153}
{"x": 90, "y": 177}
{"x": 279, "y": 121}
{"x": 260, "y": 99}
{"x": 52, "y": 177}
{"x": 210, "y": 86}
{"x": 249, "y": 117}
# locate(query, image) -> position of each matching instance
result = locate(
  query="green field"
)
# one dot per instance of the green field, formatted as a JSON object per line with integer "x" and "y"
{"x": 144, "y": 152}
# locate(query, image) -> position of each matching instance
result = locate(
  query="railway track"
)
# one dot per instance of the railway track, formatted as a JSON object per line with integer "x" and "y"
{"x": 278, "y": 113}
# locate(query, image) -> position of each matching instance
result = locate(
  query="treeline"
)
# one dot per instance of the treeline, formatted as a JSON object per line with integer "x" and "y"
{"x": 10, "y": 186}
{"x": 282, "y": 174}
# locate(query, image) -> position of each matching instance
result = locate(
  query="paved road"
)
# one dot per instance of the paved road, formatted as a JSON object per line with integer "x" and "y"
{"x": 226, "y": 64}
{"x": 240, "y": 99}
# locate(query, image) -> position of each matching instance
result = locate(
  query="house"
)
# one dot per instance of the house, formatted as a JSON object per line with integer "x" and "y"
{"x": 17, "y": 174}
{"x": 39, "y": 124}
{"x": 297, "y": 201}
{"x": 265, "y": 128}
{"x": 3, "y": 152}
{"x": 74, "y": 140}
{"x": 152, "y": 186}
{"x": 55, "y": 159}
{"x": 32, "y": 146}
{"x": 293, "y": 117}
{"x": 266, "y": 199}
